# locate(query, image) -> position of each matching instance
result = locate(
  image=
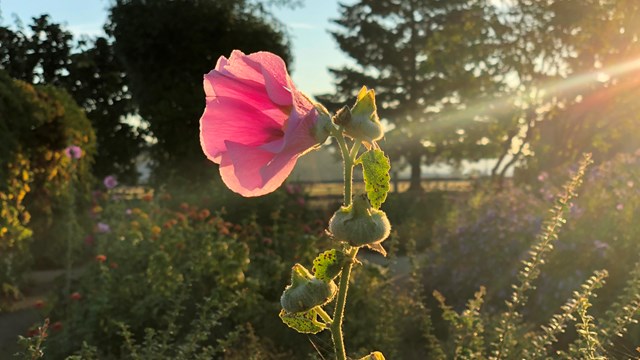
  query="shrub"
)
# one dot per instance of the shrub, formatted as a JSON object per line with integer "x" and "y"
{"x": 37, "y": 123}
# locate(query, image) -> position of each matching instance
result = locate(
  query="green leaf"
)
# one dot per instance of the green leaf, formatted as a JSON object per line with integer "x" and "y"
{"x": 328, "y": 265}
{"x": 303, "y": 322}
{"x": 376, "y": 168}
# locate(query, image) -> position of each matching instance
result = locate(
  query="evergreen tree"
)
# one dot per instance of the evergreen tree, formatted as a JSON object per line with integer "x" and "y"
{"x": 427, "y": 60}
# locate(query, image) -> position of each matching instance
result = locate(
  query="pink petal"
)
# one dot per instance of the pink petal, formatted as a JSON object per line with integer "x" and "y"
{"x": 252, "y": 171}
{"x": 240, "y": 67}
{"x": 228, "y": 119}
{"x": 276, "y": 79}
{"x": 218, "y": 84}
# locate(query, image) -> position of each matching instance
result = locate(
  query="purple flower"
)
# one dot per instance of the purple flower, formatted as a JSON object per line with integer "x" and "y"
{"x": 110, "y": 182}
{"x": 103, "y": 228}
{"x": 73, "y": 152}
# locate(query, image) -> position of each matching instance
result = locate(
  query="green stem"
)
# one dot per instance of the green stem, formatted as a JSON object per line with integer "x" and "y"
{"x": 348, "y": 164}
{"x": 348, "y": 158}
{"x": 338, "y": 315}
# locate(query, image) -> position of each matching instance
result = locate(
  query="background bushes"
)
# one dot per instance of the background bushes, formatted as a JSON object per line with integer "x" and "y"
{"x": 36, "y": 124}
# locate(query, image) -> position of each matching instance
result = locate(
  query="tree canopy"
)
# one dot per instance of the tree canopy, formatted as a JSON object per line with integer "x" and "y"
{"x": 425, "y": 59}
{"x": 166, "y": 47}
{"x": 89, "y": 71}
{"x": 472, "y": 79}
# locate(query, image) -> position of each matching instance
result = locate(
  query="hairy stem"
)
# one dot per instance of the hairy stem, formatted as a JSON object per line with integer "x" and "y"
{"x": 338, "y": 315}
{"x": 347, "y": 159}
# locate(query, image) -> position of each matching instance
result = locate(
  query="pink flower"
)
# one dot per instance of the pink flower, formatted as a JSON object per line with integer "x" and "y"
{"x": 256, "y": 123}
{"x": 73, "y": 152}
{"x": 110, "y": 182}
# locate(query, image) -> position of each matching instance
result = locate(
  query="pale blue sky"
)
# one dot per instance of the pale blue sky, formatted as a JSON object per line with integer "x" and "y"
{"x": 313, "y": 47}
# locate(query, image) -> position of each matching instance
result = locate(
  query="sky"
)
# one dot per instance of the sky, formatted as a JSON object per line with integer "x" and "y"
{"x": 314, "y": 49}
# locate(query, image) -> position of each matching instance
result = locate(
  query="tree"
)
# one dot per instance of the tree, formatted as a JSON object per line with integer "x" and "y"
{"x": 91, "y": 74}
{"x": 570, "y": 64}
{"x": 426, "y": 60}
{"x": 36, "y": 124}
{"x": 167, "y": 46}
{"x": 97, "y": 81}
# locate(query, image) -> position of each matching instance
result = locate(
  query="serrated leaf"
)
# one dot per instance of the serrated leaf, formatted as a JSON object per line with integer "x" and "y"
{"x": 376, "y": 168}
{"x": 328, "y": 265}
{"x": 304, "y": 322}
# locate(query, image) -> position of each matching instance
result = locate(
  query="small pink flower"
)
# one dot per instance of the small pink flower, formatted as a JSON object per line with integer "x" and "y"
{"x": 256, "y": 123}
{"x": 73, "y": 152}
{"x": 110, "y": 182}
{"x": 57, "y": 326}
{"x": 620, "y": 207}
{"x": 543, "y": 176}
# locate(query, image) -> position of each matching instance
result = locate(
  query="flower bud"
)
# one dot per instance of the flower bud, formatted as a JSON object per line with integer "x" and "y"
{"x": 305, "y": 291}
{"x": 359, "y": 224}
{"x": 361, "y": 121}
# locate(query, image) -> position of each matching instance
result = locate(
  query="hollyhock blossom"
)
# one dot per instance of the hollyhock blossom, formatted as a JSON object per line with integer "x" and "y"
{"x": 256, "y": 124}
{"x": 110, "y": 182}
{"x": 73, "y": 152}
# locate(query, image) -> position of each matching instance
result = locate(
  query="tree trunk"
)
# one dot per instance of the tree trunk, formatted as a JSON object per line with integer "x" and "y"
{"x": 415, "y": 181}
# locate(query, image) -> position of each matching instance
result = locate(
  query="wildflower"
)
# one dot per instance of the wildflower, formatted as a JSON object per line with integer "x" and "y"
{"x": 101, "y": 258}
{"x": 113, "y": 265}
{"x": 543, "y": 176}
{"x": 73, "y": 152}
{"x": 103, "y": 228}
{"x": 57, "y": 326}
{"x": 39, "y": 304}
{"x": 89, "y": 240}
{"x": 75, "y": 296}
{"x": 620, "y": 207}
{"x": 256, "y": 124}
{"x": 204, "y": 214}
{"x": 110, "y": 182}
{"x": 155, "y": 230}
